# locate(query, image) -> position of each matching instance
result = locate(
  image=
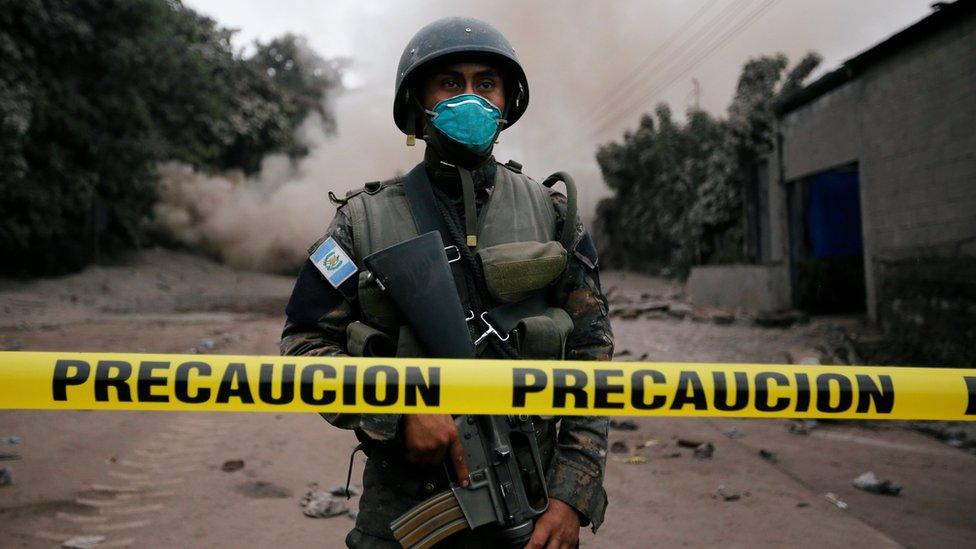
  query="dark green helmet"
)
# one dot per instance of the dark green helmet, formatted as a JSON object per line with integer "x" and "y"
{"x": 457, "y": 36}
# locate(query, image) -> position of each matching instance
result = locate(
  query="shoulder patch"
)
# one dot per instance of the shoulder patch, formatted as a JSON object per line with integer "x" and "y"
{"x": 333, "y": 262}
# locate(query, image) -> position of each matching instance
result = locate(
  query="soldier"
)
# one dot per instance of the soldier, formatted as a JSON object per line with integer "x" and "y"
{"x": 460, "y": 83}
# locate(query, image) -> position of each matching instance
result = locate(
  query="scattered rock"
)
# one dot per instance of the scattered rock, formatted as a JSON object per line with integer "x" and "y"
{"x": 673, "y": 455}
{"x": 733, "y": 432}
{"x": 870, "y": 483}
{"x": 624, "y": 425}
{"x": 781, "y": 319}
{"x": 832, "y": 498}
{"x": 727, "y": 494}
{"x": 647, "y": 443}
{"x": 9, "y": 456}
{"x": 341, "y": 491}
{"x": 803, "y": 426}
{"x": 262, "y": 489}
{"x": 680, "y": 310}
{"x": 705, "y": 451}
{"x": 768, "y": 456}
{"x": 321, "y": 504}
{"x": 688, "y": 443}
{"x": 6, "y": 476}
{"x": 232, "y": 465}
{"x": 803, "y": 356}
{"x": 622, "y": 353}
{"x": 353, "y": 514}
{"x": 208, "y": 344}
{"x": 81, "y": 542}
{"x": 802, "y": 504}
{"x": 619, "y": 447}
{"x": 10, "y": 440}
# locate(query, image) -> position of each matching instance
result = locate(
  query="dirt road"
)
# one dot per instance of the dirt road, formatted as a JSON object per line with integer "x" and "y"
{"x": 156, "y": 479}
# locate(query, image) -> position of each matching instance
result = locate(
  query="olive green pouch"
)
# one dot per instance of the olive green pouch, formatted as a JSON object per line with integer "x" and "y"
{"x": 377, "y": 307}
{"x": 365, "y": 340}
{"x": 515, "y": 270}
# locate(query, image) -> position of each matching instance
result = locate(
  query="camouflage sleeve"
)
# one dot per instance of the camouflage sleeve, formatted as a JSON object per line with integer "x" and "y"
{"x": 316, "y": 319}
{"x": 577, "y": 475}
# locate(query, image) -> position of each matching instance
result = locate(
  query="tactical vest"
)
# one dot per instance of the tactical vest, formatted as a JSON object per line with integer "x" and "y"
{"x": 517, "y": 244}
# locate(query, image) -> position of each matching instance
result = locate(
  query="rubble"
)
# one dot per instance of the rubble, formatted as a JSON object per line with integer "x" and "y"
{"x": 619, "y": 447}
{"x": 805, "y": 356}
{"x": 623, "y": 425}
{"x": 321, "y": 504}
{"x": 82, "y": 542}
{"x": 727, "y": 494}
{"x": 832, "y": 498}
{"x": 232, "y": 465}
{"x": 636, "y": 460}
{"x": 870, "y": 483}
{"x": 768, "y": 456}
{"x": 10, "y": 440}
{"x": 9, "y": 456}
{"x": 705, "y": 451}
{"x": 803, "y": 426}
{"x": 780, "y": 319}
{"x": 733, "y": 432}
{"x": 6, "y": 476}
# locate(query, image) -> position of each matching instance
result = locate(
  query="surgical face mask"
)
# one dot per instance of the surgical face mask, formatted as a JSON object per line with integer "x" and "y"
{"x": 469, "y": 119}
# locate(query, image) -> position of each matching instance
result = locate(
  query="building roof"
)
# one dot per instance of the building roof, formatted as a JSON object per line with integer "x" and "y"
{"x": 945, "y": 15}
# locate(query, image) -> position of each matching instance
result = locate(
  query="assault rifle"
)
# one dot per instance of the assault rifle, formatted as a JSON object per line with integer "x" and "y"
{"x": 507, "y": 484}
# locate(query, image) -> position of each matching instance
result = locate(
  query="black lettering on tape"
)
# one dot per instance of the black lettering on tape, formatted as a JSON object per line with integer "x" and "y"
{"x": 971, "y": 386}
{"x": 234, "y": 384}
{"x": 266, "y": 384}
{"x": 181, "y": 385}
{"x": 104, "y": 379}
{"x": 844, "y": 393}
{"x": 604, "y": 389}
{"x": 688, "y": 379}
{"x": 521, "y": 387}
{"x": 430, "y": 392}
{"x": 307, "y": 390}
{"x": 561, "y": 388}
{"x": 721, "y": 392}
{"x": 391, "y": 385}
{"x": 68, "y": 372}
{"x": 868, "y": 392}
{"x": 762, "y": 392}
{"x": 349, "y": 385}
{"x": 802, "y": 393}
{"x": 146, "y": 381}
{"x": 637, "y": 390}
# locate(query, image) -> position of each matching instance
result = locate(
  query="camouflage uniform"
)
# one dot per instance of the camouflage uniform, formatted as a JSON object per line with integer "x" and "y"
{"x": 575, "y": 455}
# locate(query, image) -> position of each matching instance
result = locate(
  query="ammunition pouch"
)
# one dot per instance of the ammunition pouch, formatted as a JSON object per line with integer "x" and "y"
{"x": 365, "y": 340}
{"x": 515, "y": 270}
{"x": 545, "y": 335}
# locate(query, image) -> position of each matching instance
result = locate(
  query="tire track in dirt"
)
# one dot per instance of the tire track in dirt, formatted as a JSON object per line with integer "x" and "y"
{"x": 142, "y": 485}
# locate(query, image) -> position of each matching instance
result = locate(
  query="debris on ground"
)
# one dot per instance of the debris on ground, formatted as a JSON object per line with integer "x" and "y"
{"x": 689, "y": 443}
{"x": 10, "y": 440}
{"x": 803, "y": 356}
{"x": 680, "y": 310}
{"x": 624, "y": 425}
{"x": 340, "y": 490}
{"x": 630, "y": 311}
{"x": 232, "y": 465}
{"x": 705, "y": 451}
{"x": 9, "y": 456}
{"x": 619, "y": 447}
{"x": 6, "y": 476}
{"x": 781, "y": 319}
{"x": 353, "y": 514}
{"x": 733, "y": 432}
{"x": 728, "y": 494}
{"x": 768, "y": 456}
{"x": 647, "y": 443}
{"x": 870, "y": 483}
{"x": 832, "y": 498}
{"x": 673, "y": 455}
{"x": 633, "y": 460}
{"x": 321, "y": 504}
{"x": 803, "y": 426}
{"x": 208, "y": 344}
{"x": 802, "y": 504}
{"x": 81, "y": 542}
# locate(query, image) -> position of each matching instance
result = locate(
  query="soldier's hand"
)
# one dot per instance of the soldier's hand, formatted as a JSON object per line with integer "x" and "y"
{"x": 430, "y": 438}
{"x": 557, "y": 528}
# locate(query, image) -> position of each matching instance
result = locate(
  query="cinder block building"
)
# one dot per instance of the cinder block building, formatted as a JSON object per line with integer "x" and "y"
{"x": 871, "y": 194}
{"x": 869, "y": 200}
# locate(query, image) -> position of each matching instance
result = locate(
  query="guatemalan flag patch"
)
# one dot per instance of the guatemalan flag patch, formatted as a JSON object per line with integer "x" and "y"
{"x": 333, "y": 262}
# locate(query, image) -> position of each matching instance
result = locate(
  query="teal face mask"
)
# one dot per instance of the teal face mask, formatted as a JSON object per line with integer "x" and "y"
{"x": 469, "y": 119}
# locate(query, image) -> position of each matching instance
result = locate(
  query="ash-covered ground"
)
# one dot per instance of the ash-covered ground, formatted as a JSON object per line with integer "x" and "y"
{"x": 230, "y": 480}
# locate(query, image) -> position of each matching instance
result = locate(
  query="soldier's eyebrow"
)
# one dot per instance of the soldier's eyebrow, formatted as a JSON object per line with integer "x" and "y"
{"x": 487, "y": 73}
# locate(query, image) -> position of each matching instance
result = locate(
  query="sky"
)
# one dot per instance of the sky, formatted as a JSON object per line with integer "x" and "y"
{"x": 593, "y": 67}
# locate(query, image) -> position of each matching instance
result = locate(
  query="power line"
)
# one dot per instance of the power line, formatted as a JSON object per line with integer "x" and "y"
{"x": 701, "y": 56}
{"x": 634, "y": 77}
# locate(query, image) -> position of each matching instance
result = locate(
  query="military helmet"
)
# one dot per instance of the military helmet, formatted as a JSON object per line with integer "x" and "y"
{"x": 452, "y": 36}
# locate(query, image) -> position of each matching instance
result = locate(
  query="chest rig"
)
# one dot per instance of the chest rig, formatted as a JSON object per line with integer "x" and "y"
{"x": 517, "y": 258}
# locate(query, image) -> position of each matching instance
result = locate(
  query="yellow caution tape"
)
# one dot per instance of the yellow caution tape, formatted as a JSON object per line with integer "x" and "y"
{"x": 109, "y": 381}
